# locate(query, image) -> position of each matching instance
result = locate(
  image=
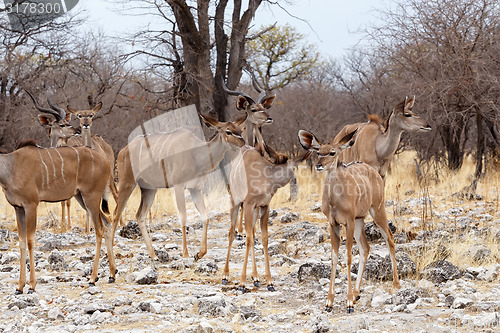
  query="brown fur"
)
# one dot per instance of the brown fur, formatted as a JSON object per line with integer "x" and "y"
{"x": 374, "y": 118}
{"x": 26, "y": 143}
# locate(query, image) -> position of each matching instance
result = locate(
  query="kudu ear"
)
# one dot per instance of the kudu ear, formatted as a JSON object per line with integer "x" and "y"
{"x": 45, "y": 120}
{"x": 309, "y": 140}
{"x": 409, "y": 102}
{"x": 267, "y": 102}
{"x": 68, "y": 116}
{"x": 71, "y": 110}
{"x": 242, "y": 103}
{"x": 97, "y": 107}
{"x": 348, "y": 140}
{"x": 209, "y": 121}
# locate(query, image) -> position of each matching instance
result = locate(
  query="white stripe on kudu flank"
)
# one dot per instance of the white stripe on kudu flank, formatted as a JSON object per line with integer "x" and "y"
{"x": 52, "y": 160}
{"x": 62, "y": 165}
{"x": 77, "y": 161}
{"x": 46, "y": 178}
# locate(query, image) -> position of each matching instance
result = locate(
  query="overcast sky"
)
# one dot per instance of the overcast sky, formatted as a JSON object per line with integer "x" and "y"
{"x": 330, "y": 24}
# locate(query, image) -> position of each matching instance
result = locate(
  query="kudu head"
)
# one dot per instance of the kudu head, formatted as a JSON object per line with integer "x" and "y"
{"x": 229, "y": 132}
{"x": 328, "y": 153}
{"x": 256, "y": 111}
{"x": 85, "y": 116}
{"x": 55, "y": 121}
{"x": 403, "y": 118}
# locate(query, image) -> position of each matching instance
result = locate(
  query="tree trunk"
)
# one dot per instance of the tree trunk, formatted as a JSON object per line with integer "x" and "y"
{"x": 480, "y": 144}
{"x": 452, "y": 136}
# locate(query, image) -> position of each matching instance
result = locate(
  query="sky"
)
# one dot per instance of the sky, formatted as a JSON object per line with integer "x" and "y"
{"x": 329, "y": 24}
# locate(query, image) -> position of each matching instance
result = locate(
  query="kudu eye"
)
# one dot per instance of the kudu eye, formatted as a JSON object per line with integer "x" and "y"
{"x": 79, "y": 116}
{"x": 407, "y": 115}
{"x": 332, "y": 153}
{"x": 228, "y": 132}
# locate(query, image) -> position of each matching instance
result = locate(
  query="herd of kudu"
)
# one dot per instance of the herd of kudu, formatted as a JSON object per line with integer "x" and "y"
{"x": 81, "y": 165}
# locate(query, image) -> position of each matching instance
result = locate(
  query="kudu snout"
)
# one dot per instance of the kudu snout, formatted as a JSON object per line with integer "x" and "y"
{"x": 320, "y": 167}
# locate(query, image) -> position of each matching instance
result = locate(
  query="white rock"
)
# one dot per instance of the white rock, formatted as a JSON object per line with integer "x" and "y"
{"x": 461, "y": 303}
{"x": 381, "y": 299}
{"x": 425, "y": 284}
{"x": 487, "y": 320}
{"x": 55, "y": 313}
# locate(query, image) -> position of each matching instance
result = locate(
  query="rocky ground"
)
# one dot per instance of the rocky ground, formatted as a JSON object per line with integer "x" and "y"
{"x": 179, "y": 294}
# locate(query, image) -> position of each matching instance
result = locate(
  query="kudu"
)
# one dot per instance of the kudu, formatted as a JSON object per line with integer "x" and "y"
{"x": 32, "y": 174}
{"x": 350, "y": 192}
{"x": 253, "y": 182}
{"x": 256, "y": 117}
{"x": 61, "y": 133}
{"x": 376, "y": 144}
{"x": 175, "y": 159}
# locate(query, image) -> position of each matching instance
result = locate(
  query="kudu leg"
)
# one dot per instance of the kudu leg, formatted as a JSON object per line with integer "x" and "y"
{"x": 249, "y": 218}
{"x": 234, "y": 215}
{"x": 89, "y": 205}
{"x": 147, "y": 198}
{"x": 264, "y": 220}
{"x": 239, "y": 230}
{"x": 255, "y": 274}
{"x": 348, "y": 245}
{"x": 180, "y": 200}
{"x": 335, "y": 242}
{"x": 107, "y": 230}
{"x": 21, "y": 230}
{"x": 87, "y": 223}
{"x": 68, "y": 210}
{"x": 380, "y": 219}
{"x": 199, "y": 203}
{"x": 364, "y": 251}
{"x": 123, "y": 196}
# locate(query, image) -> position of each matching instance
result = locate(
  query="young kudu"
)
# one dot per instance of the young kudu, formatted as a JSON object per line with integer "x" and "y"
{"x": 350, "y": 192}
{"x": 375, "y": 144}
{"x": 32, "y": 174}
{"x": 177, "y": 159}
{"x": 254, "y": 181}
{"x": 61, "y": 133}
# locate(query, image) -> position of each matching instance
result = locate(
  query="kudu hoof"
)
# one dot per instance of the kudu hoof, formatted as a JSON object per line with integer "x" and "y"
{"x": 256, "y": 283}
{"x": 224, "y": 282}
{"x": 91, "y": 284}
{"x": 18, "y": 292}
{"x": 31, "y": 291}
{"x": 242, "y": 289}
{"x": 357, "y": 298}
{"x": 111, "y": 280}
{"x": 239, "y": 237}
{"x": 350, "y": 309}
{"x": 328, "y": 309}
{"x": 271, "y": 288}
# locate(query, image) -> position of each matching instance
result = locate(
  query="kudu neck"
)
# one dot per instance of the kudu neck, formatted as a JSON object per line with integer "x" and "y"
{"x": 217, "y": 148}
{"x": 86, "y": 138}
{"x": 388, "y": 142}
{"x": 6, "y": 161}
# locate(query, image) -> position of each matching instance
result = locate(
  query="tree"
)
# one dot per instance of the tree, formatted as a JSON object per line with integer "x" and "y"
{"x": 280, "y": 56}
{"x": 193, "y": 46}
{"x": 26, "y": 54}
